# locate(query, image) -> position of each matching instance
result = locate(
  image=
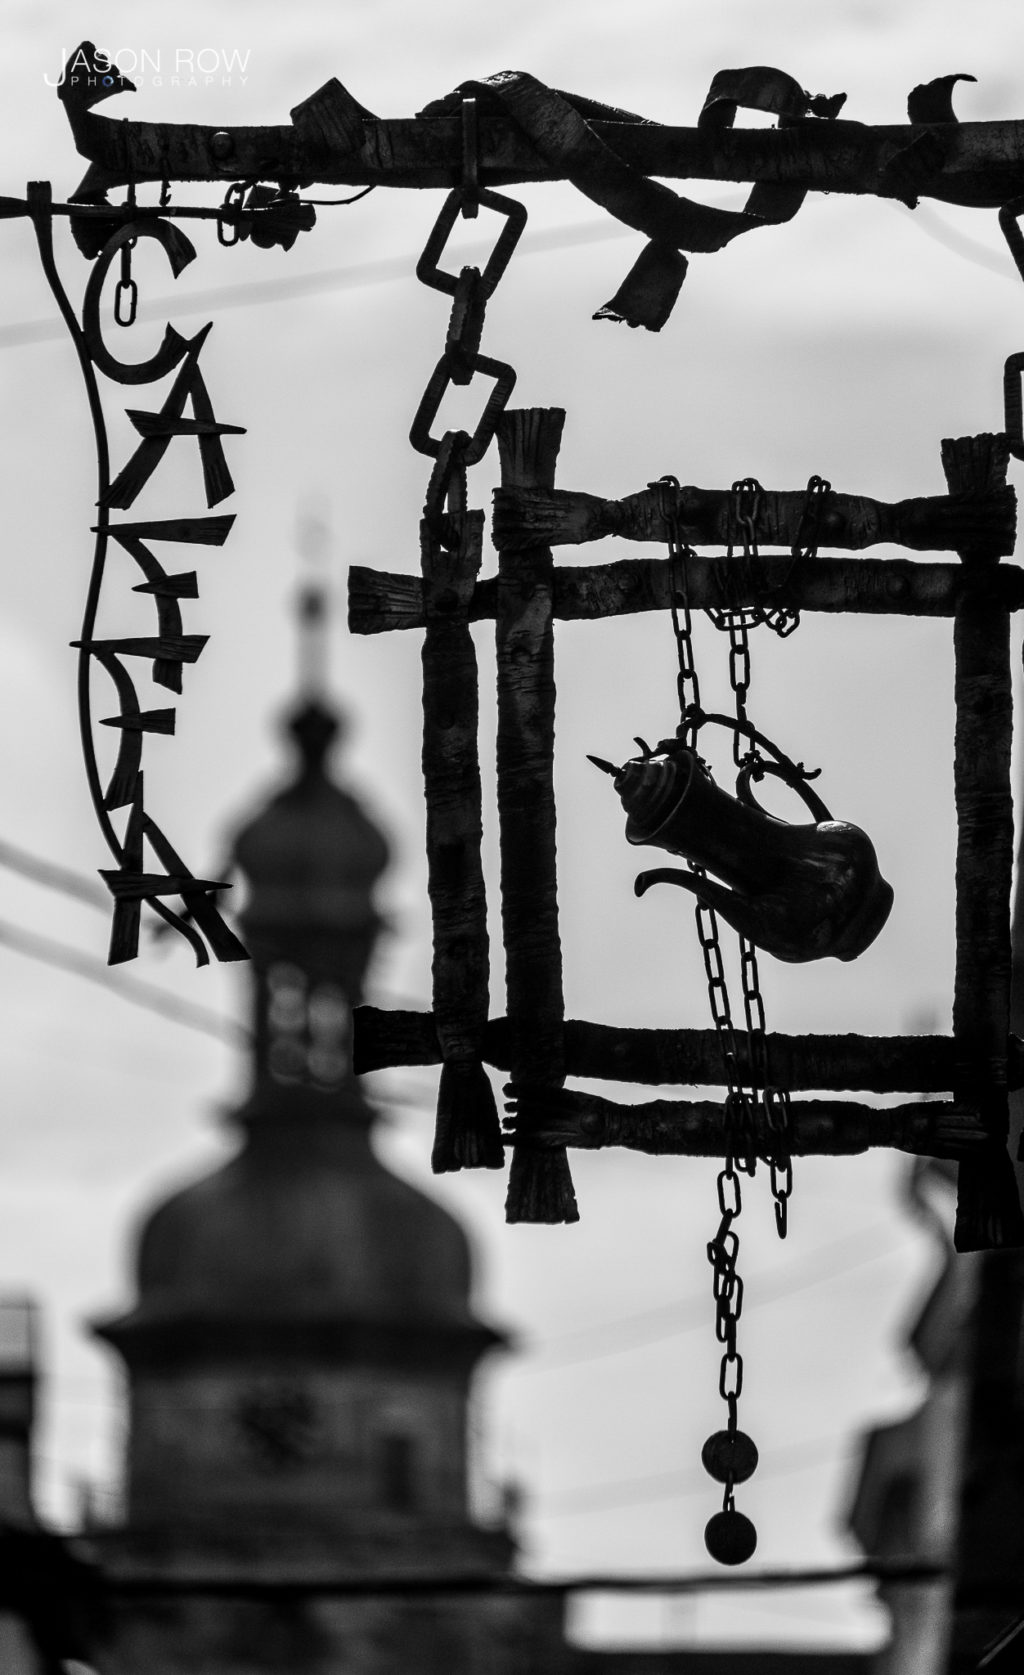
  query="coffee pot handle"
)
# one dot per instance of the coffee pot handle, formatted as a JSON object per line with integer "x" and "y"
{"x": 795, "y": 779}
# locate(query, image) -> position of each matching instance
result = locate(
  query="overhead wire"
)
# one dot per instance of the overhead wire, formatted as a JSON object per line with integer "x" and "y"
{"x": 357, "y": 276}
{"x": 968, "y": 249}
{"x": 680, "y": 1485}
{"x": 53, "y": 876}
{"x": 62, "y": 957}
{"x": 671, "y": 1320}
{"x": 79, "y": 886}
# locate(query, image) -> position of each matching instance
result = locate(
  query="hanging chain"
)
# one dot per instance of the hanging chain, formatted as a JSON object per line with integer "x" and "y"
{"x": 774, "y": 1100}
{"x": 742, "y": 1099}
{"x": 727, "y": 1289}
{"x": 687, "y": 684}
{"x": 809, "y": 532}
{"x": 126, "y": 291}
{"x": 730, "y": 1456}
{"x": 470, "y": 290}
{"x": 229, "y": 232}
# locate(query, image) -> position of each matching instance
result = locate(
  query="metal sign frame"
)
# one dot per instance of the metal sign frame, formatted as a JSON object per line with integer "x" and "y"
{"x": 975, "y": 1069}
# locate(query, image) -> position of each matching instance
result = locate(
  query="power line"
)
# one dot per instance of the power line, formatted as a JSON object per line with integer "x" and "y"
{"x": 62, "y": 957}
{"x": 968, "y": 249}
{"x": 81, "y": 887}
{"x": 690, "y": 1313}
{"x": 356, "y": 277}
{"x": 52, "y": 876}
{"x": 679, "y": 1485}
{"x": 362, "y": 274}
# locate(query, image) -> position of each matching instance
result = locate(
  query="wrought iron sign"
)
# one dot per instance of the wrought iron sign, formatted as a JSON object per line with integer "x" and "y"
{"x": 170, "y": 649}
{"x": 108, "y": 234}
{"x": 792, "y": 890}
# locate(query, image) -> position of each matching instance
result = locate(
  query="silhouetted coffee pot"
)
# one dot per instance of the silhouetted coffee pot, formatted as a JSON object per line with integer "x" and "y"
{"x": 799, "y": 891}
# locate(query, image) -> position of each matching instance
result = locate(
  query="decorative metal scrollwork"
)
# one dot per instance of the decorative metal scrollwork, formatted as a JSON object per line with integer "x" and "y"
{"x": 130, "y": 882}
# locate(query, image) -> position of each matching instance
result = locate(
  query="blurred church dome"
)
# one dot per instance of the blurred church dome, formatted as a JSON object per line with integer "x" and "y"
{"x": 308, "y": 1226}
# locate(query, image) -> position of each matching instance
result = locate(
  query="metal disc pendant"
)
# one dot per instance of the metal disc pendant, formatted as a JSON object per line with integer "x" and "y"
{"x": 729, "y": 1455}
{"x": 730, "y": 1537}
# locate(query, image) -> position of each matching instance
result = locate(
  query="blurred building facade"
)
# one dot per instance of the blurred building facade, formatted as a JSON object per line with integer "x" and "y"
{"x": 299, "y": 1357}
{"x": 300, "y": 1351}
{"x": 944, "y": 1486}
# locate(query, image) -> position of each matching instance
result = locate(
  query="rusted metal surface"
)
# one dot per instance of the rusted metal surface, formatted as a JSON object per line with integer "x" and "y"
{"x": 381, "y": 601}
{"x": 703, "y": 517}
{"x": 982, "y": 165}
{"x": 467, "y": 1130}
{"x": 333, "y": 139}
{"x": 965, "y": 520}
{"x": 697, "y": 1128}
{"x": 540, "y": 1188}
{"x": 692, "y": 1057}
{"x": 988, "y": 1208}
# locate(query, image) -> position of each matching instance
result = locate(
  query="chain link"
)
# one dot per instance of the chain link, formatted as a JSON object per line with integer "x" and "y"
{"x": 809, "y": 532}
{"x": 777, "y": 1113}
{"x": 727, "y": 1289}
{"x": 126, "y": 291}
{"x": 229, "y": 230}
{"x": 470, "y": 290}
{"x": 687, "y": 683}
{"x": 739, "y": 680}
{"x": 445, "y": 502}
{"x": 742, "y": 578}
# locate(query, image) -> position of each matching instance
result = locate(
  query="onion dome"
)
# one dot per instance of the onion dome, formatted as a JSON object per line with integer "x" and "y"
{"x": 304, "y": 1238}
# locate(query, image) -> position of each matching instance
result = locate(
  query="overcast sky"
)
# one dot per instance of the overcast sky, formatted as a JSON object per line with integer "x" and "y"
{"x": 846, "y": 344}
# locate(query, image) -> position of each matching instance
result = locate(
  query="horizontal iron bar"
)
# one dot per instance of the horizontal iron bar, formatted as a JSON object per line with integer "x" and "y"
{"x": 692, "y": 1057}
{"x": 697, "y": 1128}
{"x": 982, "y": 165}
{"x": 707, "y": 517}
{"x": 381, "y": 601}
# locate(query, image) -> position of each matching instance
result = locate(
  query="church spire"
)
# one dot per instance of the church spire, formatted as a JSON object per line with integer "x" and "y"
{"x": 311, "y": 860}
{"x": 314, "y": 608}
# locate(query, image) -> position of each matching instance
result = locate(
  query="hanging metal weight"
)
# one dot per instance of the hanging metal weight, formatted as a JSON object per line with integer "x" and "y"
{"x": 730, "y": 1537}
{"x": 729, "y": 1456}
